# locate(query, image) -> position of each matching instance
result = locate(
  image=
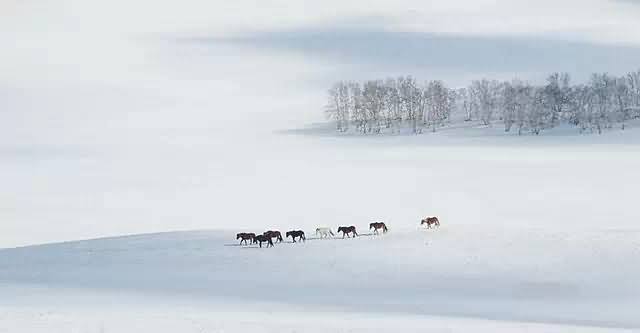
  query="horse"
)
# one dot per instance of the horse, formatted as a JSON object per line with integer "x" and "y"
{"x": 262, "y": 238}
{"x": 429, "y": 221}
{"x": 347, "y": 230}
{"x": 243, "y": 236}
{"x": 296, "y": 233}
{"x": 378, "y": 225}
{"x": 274, "y": 234}
{"x": 324, "y": 232}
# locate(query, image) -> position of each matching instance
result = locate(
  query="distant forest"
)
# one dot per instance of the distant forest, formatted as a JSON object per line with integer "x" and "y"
{"x": 392, "y": 104}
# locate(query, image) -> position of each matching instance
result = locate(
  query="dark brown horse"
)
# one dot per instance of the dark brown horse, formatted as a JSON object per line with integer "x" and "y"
{"x": 348, "y": 230}
{"x": 274, "y": 234}
{"x": 296, "y": 234}
{"x": 429, "y": 221}
{"x": 261, "y": 239}
{"x": 378, "y": 225}
{"x": 243, "y": 236}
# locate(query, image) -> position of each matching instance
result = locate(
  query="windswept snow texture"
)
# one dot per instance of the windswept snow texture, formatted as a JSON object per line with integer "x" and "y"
{"x": 584, "y": 277}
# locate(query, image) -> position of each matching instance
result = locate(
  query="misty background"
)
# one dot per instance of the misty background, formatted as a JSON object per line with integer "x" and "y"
{"x": 120, "y": 117}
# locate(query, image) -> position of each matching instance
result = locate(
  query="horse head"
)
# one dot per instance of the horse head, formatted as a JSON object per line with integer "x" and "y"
{"x": 288, "y": 234}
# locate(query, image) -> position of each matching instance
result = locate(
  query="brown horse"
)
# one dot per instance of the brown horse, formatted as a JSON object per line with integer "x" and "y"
{"x": 347, "y": 230}
{"x": 378, "y": 225}
{"x": 296, "y": 233}
{"x": 274, "y": 234}
{"x": 243, "y": 236}
{"x": 429, "y": 221}
{"x": 261, "y": 239}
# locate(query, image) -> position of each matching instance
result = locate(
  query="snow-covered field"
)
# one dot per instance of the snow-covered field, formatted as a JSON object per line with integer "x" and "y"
{"x": 455, "y": 278}
{"x": 538, "y": 234}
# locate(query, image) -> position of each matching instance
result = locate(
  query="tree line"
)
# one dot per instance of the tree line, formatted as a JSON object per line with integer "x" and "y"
{"x": 393, "y": 104}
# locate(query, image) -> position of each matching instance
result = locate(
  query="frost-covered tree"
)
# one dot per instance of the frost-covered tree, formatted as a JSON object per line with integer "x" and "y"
{"x": 633, "y": 82}
{"x": 411, "y": 99}
{"x": 602, "y": 86}
{"x": 486, "y": 95}
{"x": 388, "y": 105}
{"x": 358, "y": 111}
{"x": 581, "y": 107}
{"x": 392, "y": 104}
{"x": 439, "y": 102}
{"x": 467, "y": 103}
{"x": 509, "y": 95}
{"x": 556, "y": 96}
{"x": 373, "y": 103}
{"x": 538, "y": 115}
{"x": 622, "y": 100}
{"x": 524, "y": 95}
{"x": 338, "y": 106}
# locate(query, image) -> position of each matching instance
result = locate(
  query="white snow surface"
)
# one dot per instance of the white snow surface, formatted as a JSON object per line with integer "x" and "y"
{"x": 538, "y": 234}
{"x": 456, "y": 277}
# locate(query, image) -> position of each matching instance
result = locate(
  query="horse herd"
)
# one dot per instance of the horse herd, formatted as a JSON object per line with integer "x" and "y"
{"x": 323, "y": 232}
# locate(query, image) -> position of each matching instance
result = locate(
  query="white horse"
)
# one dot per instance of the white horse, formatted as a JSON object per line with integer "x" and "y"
{"x": 324, "y": 232}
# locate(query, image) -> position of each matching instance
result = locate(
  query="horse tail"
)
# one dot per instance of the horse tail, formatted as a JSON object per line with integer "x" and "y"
{"x": 384, "y": 226}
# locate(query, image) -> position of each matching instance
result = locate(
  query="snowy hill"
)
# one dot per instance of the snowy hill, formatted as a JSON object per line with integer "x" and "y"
{"x": 504, "y": 275}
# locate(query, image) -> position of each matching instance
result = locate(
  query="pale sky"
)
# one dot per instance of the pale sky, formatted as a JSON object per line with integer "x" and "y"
{"x": 116, "y": 33}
